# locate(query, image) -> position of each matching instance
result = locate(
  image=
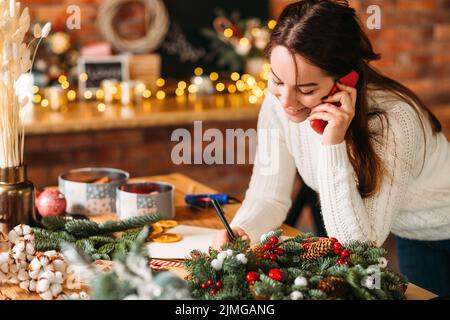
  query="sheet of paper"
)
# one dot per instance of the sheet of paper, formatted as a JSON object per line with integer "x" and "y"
{"x": 193, "y": 238}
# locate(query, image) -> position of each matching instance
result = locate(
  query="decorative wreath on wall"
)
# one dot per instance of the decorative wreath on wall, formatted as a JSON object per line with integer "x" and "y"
{"x": 157, "y": 29}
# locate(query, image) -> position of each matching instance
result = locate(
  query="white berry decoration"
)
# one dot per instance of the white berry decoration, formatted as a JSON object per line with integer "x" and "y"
{"x": 296, "y": 295}
{"x": 301, "y": 281}
{"x": 216, "y": 264}
{"x": 241, "y": 258}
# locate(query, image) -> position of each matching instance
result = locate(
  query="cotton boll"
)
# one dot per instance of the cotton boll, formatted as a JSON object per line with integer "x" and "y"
{"x": 56, "y": 289}
{"x": 23, "y": 275}
{"x": 30, "y": 249}
{"x": 46, "y": 295}
{"x": 25, "y": 285}
{"x": 230, "y": 252}
{"x": 26, "y": 230}
{"x": 34, "y": 274}
{"x": 42, "y": 285}
{"x": 60, "y": 265}
{"x": 13, "y": 236}
{"x": 32, "y": 286}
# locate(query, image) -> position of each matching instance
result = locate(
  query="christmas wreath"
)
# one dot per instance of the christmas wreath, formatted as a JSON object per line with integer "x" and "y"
{"x": 302, "y": 267}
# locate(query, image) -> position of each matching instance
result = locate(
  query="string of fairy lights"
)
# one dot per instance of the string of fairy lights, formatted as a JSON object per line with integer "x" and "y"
{"x": 132, "y": 93}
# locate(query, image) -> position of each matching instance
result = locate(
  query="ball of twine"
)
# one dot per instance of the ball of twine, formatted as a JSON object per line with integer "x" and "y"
{"x": 157, "y": 29}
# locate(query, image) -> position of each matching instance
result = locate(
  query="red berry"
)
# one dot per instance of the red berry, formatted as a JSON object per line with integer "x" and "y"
{"x": 280, "y": 251}
{"x": 346, "y": 262}
{"x": 218, "y": 284}
{"x": 210, "y": 283}
{"x": 273, "y": 239}
{"x": 276, "y": 274}
{"x": 334, "y": 240}
{"x": 337, "y": 246}
{"x": 267, "y": 246}
{"x": 252, "y": 277}
{"x": 345, "y": 254}
{"x": 340, "y": 261}
{"x": 273, "y": 257}
{"x": 266, "y": 256}
{"x": 213, "y": 292}
{"x": 204, "y": 285}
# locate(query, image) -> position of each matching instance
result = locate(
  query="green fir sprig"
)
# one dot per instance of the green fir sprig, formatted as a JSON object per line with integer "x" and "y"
{"x": 96, "y": 239}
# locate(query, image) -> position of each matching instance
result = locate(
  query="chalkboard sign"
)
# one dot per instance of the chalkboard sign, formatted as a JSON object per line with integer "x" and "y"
{"x": 184, "y": 47}
{"x": 98, "y": 69}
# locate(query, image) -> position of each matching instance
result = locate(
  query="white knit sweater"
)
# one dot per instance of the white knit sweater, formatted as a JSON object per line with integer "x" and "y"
{"x": 415, "y": 204}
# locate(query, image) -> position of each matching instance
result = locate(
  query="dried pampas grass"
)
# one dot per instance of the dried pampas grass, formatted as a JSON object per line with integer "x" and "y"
{"x": 15, "y": 59}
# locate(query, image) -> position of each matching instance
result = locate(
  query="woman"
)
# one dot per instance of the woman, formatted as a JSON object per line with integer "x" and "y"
{"x": 382, "y": 163}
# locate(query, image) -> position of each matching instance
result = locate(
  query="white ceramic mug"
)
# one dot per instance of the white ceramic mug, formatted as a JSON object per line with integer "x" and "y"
{"x": 141, "y": 198}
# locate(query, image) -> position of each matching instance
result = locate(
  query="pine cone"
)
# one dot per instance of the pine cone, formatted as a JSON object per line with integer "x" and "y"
{"x": 258, "y": 251}
{"x": 333, "y": 286}
{"x": 315, "y": 250}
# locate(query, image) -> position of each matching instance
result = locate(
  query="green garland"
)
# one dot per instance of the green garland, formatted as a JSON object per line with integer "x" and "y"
{"x": 241, "y": 273}
{"x": 95, "y": 239}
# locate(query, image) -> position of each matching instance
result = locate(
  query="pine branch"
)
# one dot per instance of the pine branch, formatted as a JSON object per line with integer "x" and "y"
{"x": 54, "y": 223}
{"x": 82, "y": 228}
{"x": 130, "y": 223}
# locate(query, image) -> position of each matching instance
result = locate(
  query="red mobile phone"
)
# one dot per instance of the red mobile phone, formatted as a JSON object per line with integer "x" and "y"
{"x": 351, "y": 79}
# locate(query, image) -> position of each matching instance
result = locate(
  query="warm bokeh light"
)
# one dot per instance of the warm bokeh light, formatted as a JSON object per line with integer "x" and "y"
{"x": 83, "y": 77}
{"x": 37, "y": 98}
{"x": 232, "y": 88}
{"x": 240, "y": 84}
{"x": 198, "y": 71}
{"x": 160, "y": 82}
{"x": 253, "y": 99}
{"x": 65, "y": 85}
{"x": 244, "y": 42}
{"x": 62, "y": 79}
{"x": 44, "y": 103}
{"x": 71, "y": 95}
{"x": 101, "y": 107}
{"x": 88, "y": 94}
{"x": 179, "y": 92}
{"x": 228, "y": 33}
{"x": 182, "y": 85}
{"x": 214, "y": 76}
{"x": 220, "y": 87}
{"x": 100, "y": 94}
{"x": 35, "y": 89}
{"x": 193, "y": 88}
{"x": 235, "y": 76}
{"x": 160, "y": 95}
{"x": 271, "y": 24}
{"x": 147, "y": 93}
{"x": 198, "y": 81}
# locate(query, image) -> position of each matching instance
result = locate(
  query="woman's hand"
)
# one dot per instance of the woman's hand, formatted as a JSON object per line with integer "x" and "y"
{"x": 338, "y": 118}
{"x": 222, "y": 237}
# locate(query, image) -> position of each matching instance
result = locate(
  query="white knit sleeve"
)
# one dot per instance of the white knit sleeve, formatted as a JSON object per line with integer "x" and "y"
{"x": 346, "y": 215}
{"x": 268, "y": 197}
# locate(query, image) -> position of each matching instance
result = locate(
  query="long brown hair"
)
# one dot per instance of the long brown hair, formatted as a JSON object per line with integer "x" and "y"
{"x": 330, "y": 35}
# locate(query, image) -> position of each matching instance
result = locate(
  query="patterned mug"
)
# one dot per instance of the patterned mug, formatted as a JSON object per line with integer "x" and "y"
{"x": 141, "y": 198}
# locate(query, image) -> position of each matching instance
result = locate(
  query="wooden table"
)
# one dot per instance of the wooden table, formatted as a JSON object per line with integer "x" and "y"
{"x": 202, "y": 218}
